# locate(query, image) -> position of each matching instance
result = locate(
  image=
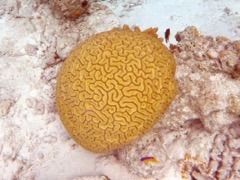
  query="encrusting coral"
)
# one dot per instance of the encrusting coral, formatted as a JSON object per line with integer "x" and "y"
{"x": 114, "y": 87}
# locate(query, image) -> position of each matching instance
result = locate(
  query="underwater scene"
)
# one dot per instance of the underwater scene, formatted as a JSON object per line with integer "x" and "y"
{"x": 119, "y": 90}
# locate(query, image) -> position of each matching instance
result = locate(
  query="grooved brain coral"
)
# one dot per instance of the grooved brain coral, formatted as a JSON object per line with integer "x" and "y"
{"x": 114, "y": 87}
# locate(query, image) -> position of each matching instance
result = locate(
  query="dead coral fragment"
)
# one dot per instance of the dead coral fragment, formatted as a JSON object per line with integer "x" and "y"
{"x": 223, "y": 162}
{"x": 218, "y": 55}
{"x": 70, "y": 8}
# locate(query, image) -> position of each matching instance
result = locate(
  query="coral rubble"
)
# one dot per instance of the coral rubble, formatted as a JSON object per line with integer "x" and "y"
{"x": 69, "y": 8}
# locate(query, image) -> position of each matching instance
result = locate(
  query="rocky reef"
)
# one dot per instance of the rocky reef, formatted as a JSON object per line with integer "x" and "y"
{"x": 199, "y": 135}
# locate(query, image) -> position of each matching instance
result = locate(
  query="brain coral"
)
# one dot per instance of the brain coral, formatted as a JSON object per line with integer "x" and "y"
{"x": 114, "y": 87}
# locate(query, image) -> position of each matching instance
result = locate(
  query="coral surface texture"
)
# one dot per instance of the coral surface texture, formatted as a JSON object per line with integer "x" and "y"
{"x": 114, "y": 87}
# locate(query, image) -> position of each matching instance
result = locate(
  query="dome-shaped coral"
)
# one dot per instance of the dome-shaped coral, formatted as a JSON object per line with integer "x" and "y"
{"x": 114, "y": 87}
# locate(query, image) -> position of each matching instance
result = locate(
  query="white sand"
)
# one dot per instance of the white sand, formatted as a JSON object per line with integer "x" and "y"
{"x": 33, "y": 142}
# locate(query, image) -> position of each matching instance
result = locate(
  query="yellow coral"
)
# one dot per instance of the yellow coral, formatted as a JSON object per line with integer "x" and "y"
{"x": 114, "y": 87}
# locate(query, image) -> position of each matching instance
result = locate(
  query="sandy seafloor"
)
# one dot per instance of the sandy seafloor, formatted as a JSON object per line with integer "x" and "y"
{"x": 33, "y": 142}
